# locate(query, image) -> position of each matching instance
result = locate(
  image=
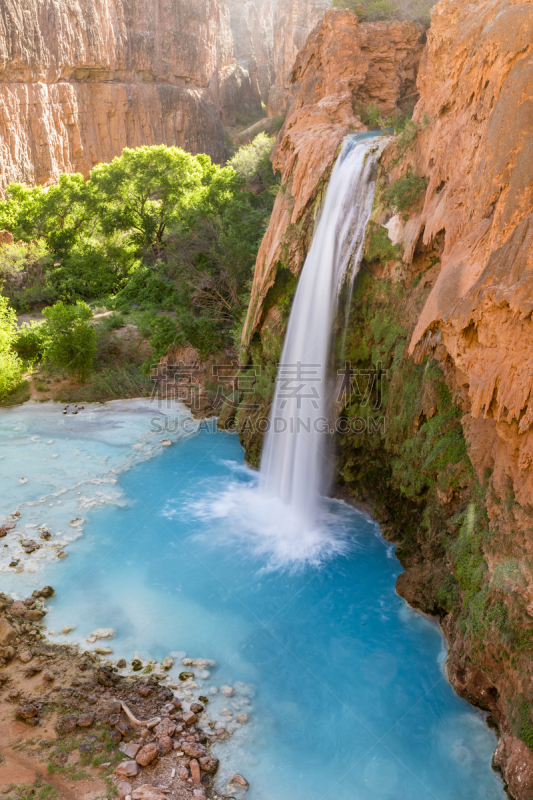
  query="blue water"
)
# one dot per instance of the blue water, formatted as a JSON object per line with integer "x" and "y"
{"x": 344, "y": 683}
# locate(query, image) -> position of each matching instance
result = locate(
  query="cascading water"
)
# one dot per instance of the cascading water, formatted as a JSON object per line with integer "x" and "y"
{"x": 294, "y": 462}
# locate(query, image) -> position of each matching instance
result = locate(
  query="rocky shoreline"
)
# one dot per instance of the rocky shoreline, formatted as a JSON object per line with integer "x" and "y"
{"x": 137, "y": 735}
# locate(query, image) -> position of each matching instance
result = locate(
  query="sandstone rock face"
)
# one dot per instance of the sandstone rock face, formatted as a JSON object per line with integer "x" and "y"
{"x": 344, "y": 63}
{"x": 252, "y": 24}
{"x": 475, "y": 85}
{"x": 81, "y": 80}
{"x": 294, "y": 20}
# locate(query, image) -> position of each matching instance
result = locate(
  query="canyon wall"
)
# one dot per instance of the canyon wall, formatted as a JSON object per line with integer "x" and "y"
{"x": 443, "y": 311}
{"x": 82, "y": 79}
{"x": 293, "y": 22}
{"x": 252, "y": 23}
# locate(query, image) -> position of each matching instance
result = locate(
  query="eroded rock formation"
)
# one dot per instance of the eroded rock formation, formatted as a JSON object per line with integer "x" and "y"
{"x": 253, "y": 31}
{"x": 81, "y": 80}
{"x": 475, "y": 87}
{"x": 294, "y": 20}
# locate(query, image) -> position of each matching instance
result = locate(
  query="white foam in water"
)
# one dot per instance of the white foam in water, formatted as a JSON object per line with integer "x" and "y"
{"x": 294, "y": 465}
{"x": 267, "y": 528}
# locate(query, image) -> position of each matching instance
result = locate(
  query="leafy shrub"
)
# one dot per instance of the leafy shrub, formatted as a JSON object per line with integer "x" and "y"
{"x": 11, "y": 368}
{"x": 252, "y": 161}
{"x": 88, "y": 271}
{"x": 23, "y": 273}
{"x": 164, "y": 333}
{"x": 30, "y": 341}
{"x": 405, "y": 191}
{"x": 144, "y": 288}
{"x": 379, "y": 247}
{"x": 70, "y": 339}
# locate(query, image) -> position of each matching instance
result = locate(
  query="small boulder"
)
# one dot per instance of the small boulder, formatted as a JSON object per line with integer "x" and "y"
{"x": 26, "y": 656}
{"x": 238, "y": 780}
{"x": 165, "y": 745}
{"x": 183, "y": 676}
{"x": 47, "y": 592}
{"x": 124, "y": 789}
{"x": 131, "y": 749}
{"x": 165, "y": 728}
{"x": 28, "y": 714}
{"x": 101, "y": 633}
{"x": 227, "y": 690}
{"x": 34, "y": 614}
{"x": 193, "y": 750}
{"x": 86, "y": 720}
{"x": 7, "y": 633}
{"x": 243, "y": 718}
{"x": 197, "y": 708}
{"x": 128, "y": 769}
{"x": 190, "y": 718}
{"x": 66, "y": 724}
{"x": 146, "y": 792}
{"x": 208, "y": 764}
{"x": 147, "y": 754}
{"x": 194, "y": 766}
{"x": 17, "y": 609}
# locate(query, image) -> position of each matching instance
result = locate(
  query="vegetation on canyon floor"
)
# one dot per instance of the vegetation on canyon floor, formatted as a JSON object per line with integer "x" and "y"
{"x": 165, "y": 240}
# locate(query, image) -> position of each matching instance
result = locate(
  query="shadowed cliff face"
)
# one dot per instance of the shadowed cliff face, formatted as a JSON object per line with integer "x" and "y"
{"x": 79, "y": 81}
{"x": 293, "y": 22}
{"x": 252, "y": 26}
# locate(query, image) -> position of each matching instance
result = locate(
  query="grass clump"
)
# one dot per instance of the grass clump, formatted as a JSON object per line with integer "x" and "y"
{"x": 405, "y": 192}
{"x": 378, "y": 245}
{"x": 388, "y": 10}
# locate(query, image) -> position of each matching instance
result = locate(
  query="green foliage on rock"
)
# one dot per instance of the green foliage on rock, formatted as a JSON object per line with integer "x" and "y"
{"x": 406, "y": 191}
{"x": 378, "y": 246}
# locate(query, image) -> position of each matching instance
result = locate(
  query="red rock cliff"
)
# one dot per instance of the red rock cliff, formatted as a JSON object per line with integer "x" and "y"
{"x": 81, "y": 80}
{"x": 344, "y": 63}
{"x": 293, "y": 22}
{"x": 475, "y": 85}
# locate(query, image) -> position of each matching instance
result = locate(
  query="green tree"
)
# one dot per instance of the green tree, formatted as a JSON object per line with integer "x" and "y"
{"x": 59, "y": 214}
{"x": 145, "y": 190}
{"x": 70, "y": 339}
{"x": 11, "y": 368}
{"x": 252, "y": 161}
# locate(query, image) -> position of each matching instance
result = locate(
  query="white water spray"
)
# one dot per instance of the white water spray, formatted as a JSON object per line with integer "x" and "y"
{"x": 294, "y": 463}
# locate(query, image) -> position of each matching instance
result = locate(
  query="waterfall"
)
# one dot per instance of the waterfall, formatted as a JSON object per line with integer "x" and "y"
{"x": 294, "y": 466}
